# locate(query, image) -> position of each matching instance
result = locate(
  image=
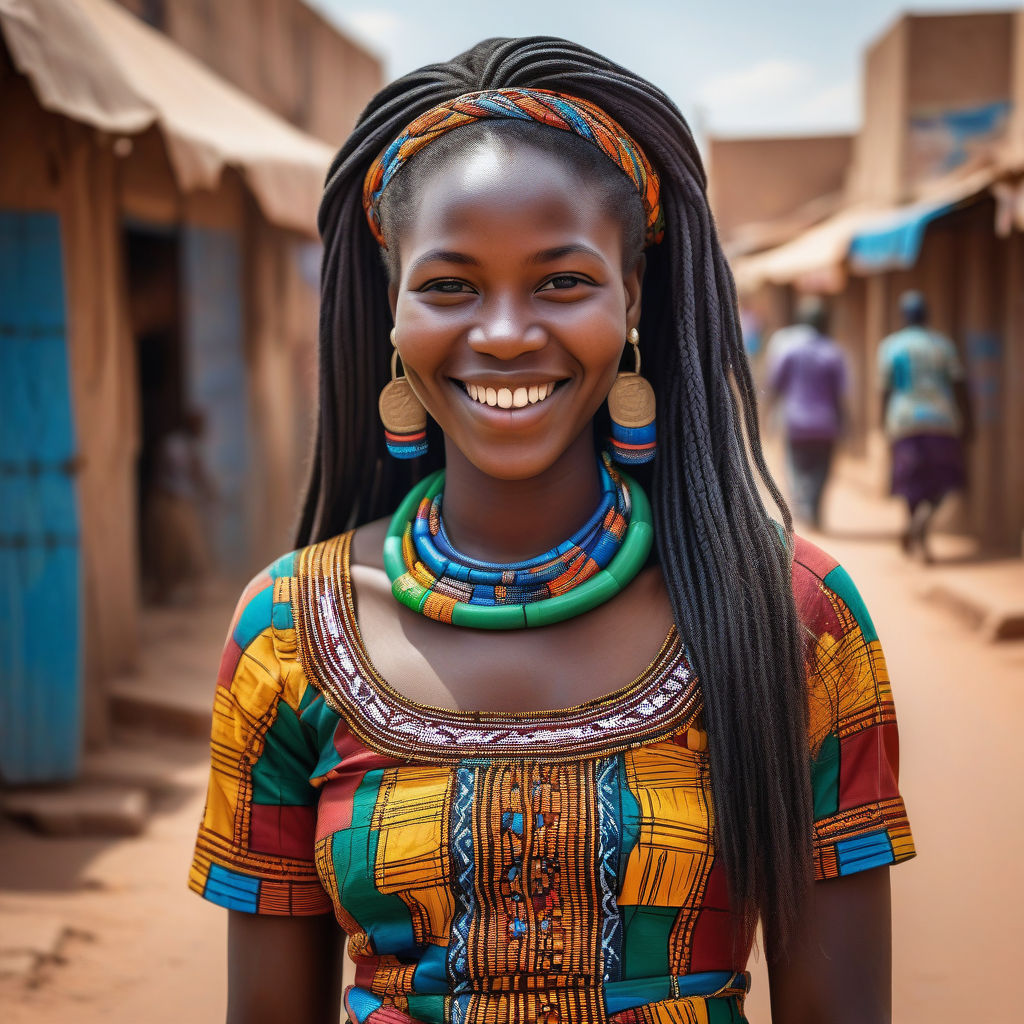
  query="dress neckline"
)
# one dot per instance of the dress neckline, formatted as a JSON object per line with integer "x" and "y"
{"x": 662, "y": 699}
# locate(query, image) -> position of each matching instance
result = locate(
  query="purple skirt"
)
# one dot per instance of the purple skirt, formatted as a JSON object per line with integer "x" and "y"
{"x": 926, "y": 467}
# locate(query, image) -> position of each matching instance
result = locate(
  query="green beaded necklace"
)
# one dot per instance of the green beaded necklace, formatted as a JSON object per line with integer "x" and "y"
{"x": 408, "y": 575}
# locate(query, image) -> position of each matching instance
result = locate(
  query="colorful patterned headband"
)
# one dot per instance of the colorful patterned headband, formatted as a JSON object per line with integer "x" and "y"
{"x": 569, "y": 113}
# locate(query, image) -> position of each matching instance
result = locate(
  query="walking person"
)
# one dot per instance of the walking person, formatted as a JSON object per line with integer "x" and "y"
{"x": 545, "y": 748}
{"x": 810, "y": 379}
{"x": 926, "y": 417}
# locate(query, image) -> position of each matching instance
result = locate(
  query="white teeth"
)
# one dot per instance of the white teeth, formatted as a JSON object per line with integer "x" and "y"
{"x": 509, "y": 398}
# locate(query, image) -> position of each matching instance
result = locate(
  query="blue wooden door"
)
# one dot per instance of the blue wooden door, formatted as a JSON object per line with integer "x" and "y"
{"x": 40, "y": 657}
{"x": 216, "y": 383}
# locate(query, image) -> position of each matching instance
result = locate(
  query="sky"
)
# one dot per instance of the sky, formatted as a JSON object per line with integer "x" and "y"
{"x": 734, "y": 67}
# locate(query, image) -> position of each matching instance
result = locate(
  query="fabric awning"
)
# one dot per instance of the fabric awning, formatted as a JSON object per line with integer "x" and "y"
{"x": 817, "y": 253}
{"x": 894, "y": 241}
{"x": 94, "y": 62}
{"x": 868, "y": 238}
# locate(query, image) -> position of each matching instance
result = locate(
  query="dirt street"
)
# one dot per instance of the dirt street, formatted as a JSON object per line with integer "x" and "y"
{"x": 133, "y": 945}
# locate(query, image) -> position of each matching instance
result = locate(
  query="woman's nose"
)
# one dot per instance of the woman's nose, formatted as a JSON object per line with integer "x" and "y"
{"x": 505, "y": 332}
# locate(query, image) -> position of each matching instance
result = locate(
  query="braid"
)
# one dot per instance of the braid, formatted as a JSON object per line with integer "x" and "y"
{"x": 726, "y": 563}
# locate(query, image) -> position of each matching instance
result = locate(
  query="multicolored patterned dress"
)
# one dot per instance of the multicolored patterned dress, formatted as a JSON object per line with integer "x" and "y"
{"x": 498, "y": 868}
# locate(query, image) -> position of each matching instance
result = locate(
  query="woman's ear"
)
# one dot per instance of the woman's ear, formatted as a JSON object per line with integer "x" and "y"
{"x": 632, "y": 282}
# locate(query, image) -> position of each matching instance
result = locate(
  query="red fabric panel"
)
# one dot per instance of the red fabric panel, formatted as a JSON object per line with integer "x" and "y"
{"x": 868, "y": 766}
{"x": 336, "y": 799}
{"x": 712, "y": 935}
{"x": 819, "y": 562}
{"x": 810, "y": 566}
{"x": 282, "y": 831}
{"x": 228, "y": 663}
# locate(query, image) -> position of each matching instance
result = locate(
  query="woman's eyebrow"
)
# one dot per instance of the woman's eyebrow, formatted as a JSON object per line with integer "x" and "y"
{"x": 560, "y": 251}
{"x": 444, "y": 256}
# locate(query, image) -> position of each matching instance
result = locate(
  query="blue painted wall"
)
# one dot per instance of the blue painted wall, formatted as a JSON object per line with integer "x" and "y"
{"x": 40, "y": 606}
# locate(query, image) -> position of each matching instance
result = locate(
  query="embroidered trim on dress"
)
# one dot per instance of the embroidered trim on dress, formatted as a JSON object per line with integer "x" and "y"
{"x": 662, "y": 700}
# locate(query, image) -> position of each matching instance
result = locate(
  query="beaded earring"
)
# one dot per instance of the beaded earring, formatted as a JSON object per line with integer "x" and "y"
{"x": 402, "y": 413}
{"x": 631, "y": 407}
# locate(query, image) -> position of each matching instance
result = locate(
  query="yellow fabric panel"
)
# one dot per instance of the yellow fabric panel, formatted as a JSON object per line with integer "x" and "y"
{"x": 693, "y": 1010}
{"x": 411, "y": 816}
{"x": 848, "y": 684}
{"x": 241, "y": 717}
{"x": 673, "y": 853}
{"x": 255, "y": 688}
{"x": 286, "y": 645}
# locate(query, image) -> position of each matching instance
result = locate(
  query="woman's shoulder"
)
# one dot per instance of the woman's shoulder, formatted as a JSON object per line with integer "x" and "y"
{"x": 847, "y": 678}
{"x": 267, "y": 601}
{"x": 827, "y": 599}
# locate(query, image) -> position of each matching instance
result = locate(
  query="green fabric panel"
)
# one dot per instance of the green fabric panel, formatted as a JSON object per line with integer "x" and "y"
{"x": 384, "y": 917}
{"x": 724, "y": 1011}
{"x": 646, "y": 933}
{"x": 322, "y": 721}
{"x": 281, "y": 775}
{"x": 629, "y": 811}
{"x": 429, "y": 1009}
{"x": 838, "y": 581}
{"x": 309, "y": 695}
{"x": 825, "y": 778}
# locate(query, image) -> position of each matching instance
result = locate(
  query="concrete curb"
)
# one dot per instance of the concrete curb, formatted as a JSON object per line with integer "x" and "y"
{"x": 988, "y": 598}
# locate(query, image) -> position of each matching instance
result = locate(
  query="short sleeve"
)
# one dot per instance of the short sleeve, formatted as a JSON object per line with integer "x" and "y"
{"x": 255, "y": 848}
{"x": 860, "y": 821}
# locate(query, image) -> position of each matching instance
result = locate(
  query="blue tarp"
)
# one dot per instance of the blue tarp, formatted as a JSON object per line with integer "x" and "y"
{"x": 895, "y": 242}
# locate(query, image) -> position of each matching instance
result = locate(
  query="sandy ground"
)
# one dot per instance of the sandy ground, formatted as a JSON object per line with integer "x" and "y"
{"x": 135, "y": 946}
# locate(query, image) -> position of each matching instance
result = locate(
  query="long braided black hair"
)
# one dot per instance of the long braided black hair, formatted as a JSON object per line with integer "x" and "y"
{"x": 725, "y": 561}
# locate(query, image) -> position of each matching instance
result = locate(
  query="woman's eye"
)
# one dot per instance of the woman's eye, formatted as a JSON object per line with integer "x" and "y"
{"x": 446, "y": 286}
{"x": 560, "y": 282}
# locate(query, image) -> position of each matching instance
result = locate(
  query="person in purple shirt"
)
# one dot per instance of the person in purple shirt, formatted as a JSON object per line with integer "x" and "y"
{"x": 809, "y": 378}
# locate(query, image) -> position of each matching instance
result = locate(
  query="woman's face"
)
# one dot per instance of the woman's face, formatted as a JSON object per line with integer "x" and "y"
{"x": 512, "y": 306}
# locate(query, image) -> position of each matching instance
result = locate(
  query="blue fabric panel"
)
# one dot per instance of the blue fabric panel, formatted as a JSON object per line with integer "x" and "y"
{"x": 40, "y": 687}
{"x": 431, "y": 974}
{"x": 232, "y": 889}
{"x": 362, "y": 1003}
{"x": 256, "y": 617}
{"x": 625, "y": 995}
{"x": 870, "y": 851}
{"x": 283, "y": 566}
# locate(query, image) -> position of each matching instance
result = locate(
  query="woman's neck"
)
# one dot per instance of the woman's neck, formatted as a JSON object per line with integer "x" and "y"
{"x": 512, "y": 520}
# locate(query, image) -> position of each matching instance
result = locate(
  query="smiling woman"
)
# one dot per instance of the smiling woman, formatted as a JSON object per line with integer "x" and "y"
{"x": 545, "y": 748}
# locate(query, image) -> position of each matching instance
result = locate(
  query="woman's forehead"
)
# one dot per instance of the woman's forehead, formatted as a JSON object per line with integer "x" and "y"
{"x": 504, "y": 185}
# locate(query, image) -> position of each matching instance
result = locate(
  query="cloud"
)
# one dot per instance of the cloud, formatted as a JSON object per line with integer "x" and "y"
{"x": 376, "y": 25}
{"x": 838, "y": 105}
{"x": 775, "y": 96}
{"x": 766, "y": 80}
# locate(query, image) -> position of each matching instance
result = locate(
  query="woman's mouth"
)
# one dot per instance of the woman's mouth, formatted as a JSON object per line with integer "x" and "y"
{"x": 502, "y": 397}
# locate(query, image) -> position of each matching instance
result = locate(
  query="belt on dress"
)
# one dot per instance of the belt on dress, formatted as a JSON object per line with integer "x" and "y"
{"x": 627, "y": 995}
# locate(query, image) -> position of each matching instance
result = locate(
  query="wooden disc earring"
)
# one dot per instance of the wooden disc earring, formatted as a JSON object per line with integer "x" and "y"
{"x": 631, "y": 407}
{"x": 402, "y": 413}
